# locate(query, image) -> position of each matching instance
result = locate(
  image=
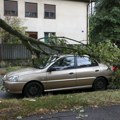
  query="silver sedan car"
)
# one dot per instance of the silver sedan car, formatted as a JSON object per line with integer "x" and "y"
{"x": 60, "y": 73}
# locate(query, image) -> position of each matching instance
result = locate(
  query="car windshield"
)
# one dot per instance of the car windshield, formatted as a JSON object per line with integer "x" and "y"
{"x": 48, "y": 62}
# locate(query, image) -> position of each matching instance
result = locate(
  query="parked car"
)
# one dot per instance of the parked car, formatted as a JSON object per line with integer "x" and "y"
{"x": 60, "y": 73}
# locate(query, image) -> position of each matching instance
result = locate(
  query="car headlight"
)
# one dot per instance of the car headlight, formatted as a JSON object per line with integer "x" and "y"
{"x": 13, "y": 78}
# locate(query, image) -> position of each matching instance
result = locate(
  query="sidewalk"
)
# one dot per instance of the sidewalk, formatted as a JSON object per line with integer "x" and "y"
{"x": 101, "y": 113}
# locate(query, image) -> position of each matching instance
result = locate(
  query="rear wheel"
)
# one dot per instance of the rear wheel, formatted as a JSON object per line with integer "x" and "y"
{"x": 33, "y": 89}
{"x": 100, "y": 84}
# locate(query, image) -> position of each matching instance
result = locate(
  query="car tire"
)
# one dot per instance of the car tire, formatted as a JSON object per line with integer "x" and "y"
{"x": 100, "y": 84}
{"x": 33, "y": 89}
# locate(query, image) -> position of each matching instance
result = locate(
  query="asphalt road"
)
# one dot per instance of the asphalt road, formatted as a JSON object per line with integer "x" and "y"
{"x": 5, "y": 95}
{"x": 100, "y": 113}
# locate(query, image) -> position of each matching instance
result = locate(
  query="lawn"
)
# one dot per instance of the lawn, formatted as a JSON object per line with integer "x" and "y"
{"x": 12, "y": 108}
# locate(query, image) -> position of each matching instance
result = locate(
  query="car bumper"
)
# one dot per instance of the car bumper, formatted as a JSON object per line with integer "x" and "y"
{"x": 13, "y": 87}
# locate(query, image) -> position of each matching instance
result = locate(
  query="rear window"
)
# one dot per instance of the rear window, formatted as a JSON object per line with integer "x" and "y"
{"x": 85, "y": 62}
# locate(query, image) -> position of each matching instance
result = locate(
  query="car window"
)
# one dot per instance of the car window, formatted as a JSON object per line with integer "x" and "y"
{"x": 64, "y": 63}
{"x": 85, "y": 62}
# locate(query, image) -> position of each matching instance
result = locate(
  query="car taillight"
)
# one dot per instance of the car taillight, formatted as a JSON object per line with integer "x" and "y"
{"x": 114, "y": 68}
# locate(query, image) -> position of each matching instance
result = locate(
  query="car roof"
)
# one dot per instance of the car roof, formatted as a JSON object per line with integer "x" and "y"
{"x": 63, "y": 55}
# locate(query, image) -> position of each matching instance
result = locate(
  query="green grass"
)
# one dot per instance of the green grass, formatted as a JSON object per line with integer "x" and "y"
{"x": 11, "y": 108}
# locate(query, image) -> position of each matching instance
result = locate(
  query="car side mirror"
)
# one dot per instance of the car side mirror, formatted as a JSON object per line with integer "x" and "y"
{"x": 51, "y": 69}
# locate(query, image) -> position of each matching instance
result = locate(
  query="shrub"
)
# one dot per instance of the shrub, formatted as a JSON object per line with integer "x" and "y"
{"x": 115, "y": 82}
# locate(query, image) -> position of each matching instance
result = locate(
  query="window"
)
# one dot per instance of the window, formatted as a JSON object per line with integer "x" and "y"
{"x": 33, "y": 34}
{"x": 49, "y": 11}
{"x": 64, "y": 64}
{"x": 85, "y": 62}
{"x": 10, "y": 8}
{"x": 48, "y": 34}
{"x": 31, "y": 10}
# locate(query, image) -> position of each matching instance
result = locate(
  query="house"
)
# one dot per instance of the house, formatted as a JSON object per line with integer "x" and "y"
{"x": 50, "y": 17}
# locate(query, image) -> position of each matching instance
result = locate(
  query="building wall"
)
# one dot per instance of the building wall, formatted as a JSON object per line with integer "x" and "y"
{"x": 71, "y": 18}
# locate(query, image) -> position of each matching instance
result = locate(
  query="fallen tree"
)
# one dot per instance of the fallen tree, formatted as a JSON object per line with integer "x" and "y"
{"x": 103, "y": 51}
{"x": 58, "y": 44}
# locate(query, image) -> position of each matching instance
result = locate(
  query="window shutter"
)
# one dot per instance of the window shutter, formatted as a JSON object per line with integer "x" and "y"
{"x": 11, "y": 5}
{"x": 49, "y": 8}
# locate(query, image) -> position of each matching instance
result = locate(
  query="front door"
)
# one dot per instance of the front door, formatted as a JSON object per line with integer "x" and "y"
{"x": 62, "y": 74}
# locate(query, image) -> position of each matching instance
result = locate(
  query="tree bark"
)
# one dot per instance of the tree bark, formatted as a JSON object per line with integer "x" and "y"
{"x": 35, "y": 45}
{"x": 27, "y": 41}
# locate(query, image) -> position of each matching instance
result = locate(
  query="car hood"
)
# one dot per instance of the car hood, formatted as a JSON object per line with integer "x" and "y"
{"x": 23, "y": 71}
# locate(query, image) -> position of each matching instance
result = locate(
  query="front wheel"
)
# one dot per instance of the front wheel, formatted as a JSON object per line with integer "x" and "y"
{"x": 33, "y": 89}
{"x": 100, "y": 84}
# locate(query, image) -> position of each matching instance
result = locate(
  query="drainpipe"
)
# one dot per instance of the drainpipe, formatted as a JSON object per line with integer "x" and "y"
{"x": 91, "y": 7}
{"x": 88, "y": 6}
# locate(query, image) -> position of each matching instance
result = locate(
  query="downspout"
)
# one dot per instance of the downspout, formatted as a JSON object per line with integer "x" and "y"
{"x": 88, "y": 14}
{"x": 91, "y": 7}
{"x": 88, "y": 23}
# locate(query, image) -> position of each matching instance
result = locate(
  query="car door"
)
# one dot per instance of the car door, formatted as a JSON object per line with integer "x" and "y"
{"x": 87, "y": 70}
{"x": 62, "y": 74}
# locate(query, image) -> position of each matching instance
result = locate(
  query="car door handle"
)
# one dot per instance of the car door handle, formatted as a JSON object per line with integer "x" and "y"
{"x": 71, "y": 73}
{"x": 96, "y": 70}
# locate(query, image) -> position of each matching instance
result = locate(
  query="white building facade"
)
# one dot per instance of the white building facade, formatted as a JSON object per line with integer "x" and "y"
{"x": 67, "y": 18}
